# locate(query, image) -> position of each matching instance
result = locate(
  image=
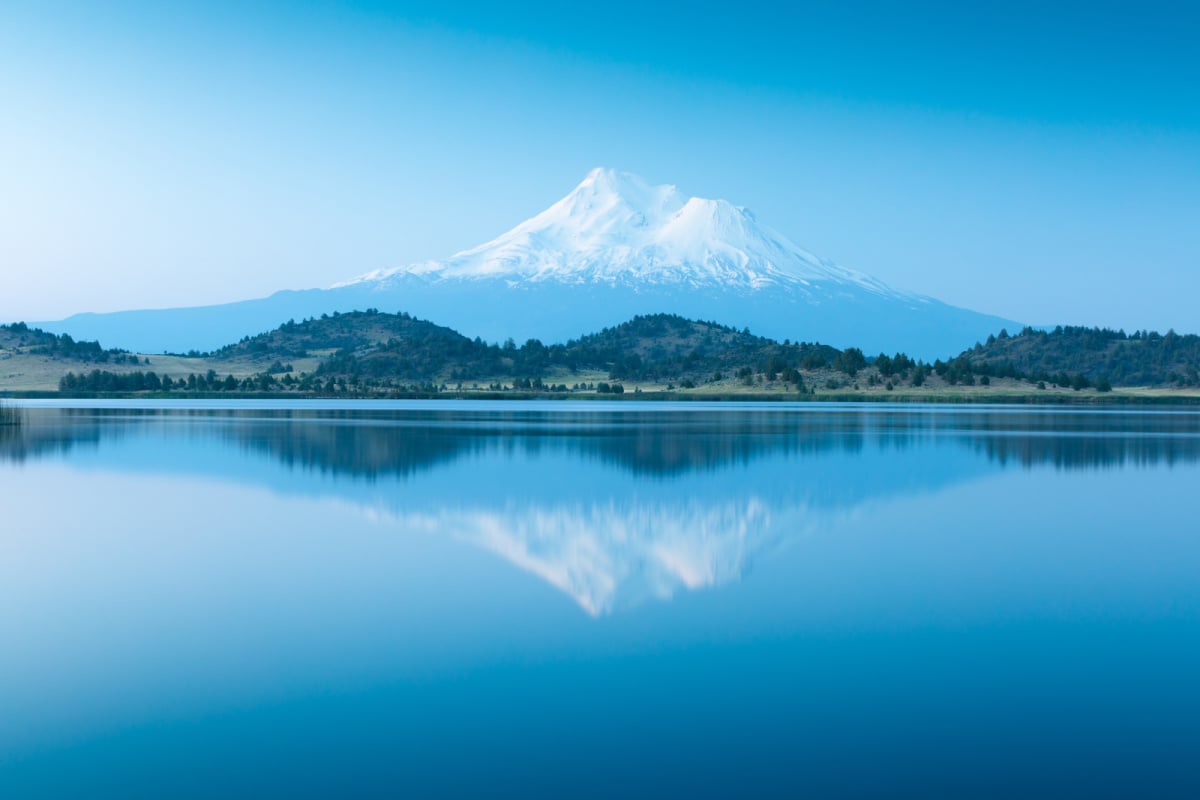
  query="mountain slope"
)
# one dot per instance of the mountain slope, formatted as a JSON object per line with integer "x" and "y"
{"x": 614, "y": 247}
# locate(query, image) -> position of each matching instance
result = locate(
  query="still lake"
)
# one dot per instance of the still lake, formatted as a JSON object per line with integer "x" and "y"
{"x": 477, "y": 599}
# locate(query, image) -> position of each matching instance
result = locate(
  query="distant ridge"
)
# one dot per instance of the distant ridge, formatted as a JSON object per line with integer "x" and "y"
{"x": 614, "y": 247}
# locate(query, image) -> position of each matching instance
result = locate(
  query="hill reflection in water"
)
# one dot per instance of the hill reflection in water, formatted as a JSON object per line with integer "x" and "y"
{"x": 610, "y": 506}
{"x": 374, "y": 444}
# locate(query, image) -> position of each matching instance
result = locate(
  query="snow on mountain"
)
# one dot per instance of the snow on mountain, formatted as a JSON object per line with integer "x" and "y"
{"x": 607, "y": 557}
{"x": 614, "y": 247}
{"x": 615, "y": 228}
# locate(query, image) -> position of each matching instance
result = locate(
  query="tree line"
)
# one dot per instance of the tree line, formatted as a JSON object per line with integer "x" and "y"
{"x": 377, "y": 353}
{"x": 100, "y": 381}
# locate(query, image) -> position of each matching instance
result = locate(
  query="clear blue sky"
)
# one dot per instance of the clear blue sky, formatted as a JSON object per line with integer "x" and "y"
{"x": 1035, "y": 160}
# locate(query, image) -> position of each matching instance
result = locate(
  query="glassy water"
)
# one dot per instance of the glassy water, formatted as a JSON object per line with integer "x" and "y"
{"x": 576, "y": 600}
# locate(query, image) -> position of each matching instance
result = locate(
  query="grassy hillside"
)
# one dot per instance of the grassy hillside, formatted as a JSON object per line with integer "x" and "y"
{"x": 34, "y": 360}
{"x": 20, "y": 339}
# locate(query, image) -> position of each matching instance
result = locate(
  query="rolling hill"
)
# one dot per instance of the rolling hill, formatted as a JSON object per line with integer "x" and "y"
{"x": 372, "y": 353}
{"x": 1143, "y": 358}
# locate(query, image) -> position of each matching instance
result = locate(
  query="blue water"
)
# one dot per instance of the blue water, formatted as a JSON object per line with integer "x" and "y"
{"x": 577, "y": 600}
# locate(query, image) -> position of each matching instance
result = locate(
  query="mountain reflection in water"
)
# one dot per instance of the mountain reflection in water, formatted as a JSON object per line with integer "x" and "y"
{"x": 609, "y": 506}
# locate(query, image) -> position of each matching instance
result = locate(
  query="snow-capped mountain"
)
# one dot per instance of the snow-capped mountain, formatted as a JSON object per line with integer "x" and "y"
{"x": 614, "y": 247}
{"x": 616, "y": 229}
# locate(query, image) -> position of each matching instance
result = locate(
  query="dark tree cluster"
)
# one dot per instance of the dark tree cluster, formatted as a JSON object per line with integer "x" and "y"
{"x": 667, "y": 347}
{"x": 963, "y": 370}
{"x": 101, "y": 381}
{"x": 1101, "y": 355}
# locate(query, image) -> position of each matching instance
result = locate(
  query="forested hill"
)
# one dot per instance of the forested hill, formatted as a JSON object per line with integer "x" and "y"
{"x": 351, "y": 332}
{"x": 665, "y": 346}
{"x": 1138, "y": 359}
{"x": 373, "y": 345}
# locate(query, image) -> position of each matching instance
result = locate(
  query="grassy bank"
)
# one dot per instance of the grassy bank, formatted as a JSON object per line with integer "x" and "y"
{"x": 939, "y": 395}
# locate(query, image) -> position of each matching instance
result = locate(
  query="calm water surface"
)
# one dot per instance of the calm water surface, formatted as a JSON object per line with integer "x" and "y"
{"x": 576, "y": 600}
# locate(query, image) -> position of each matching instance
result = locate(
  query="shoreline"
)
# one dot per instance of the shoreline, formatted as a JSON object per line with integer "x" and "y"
{"x": 1114, "y": 398}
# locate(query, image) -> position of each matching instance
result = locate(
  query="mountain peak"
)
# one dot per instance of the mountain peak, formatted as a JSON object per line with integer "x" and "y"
{"x": 616, "y": 228}
{"x": 606, "y": 180}
{"x": 609, "y": 177}
{"x": 607, "y": 199}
